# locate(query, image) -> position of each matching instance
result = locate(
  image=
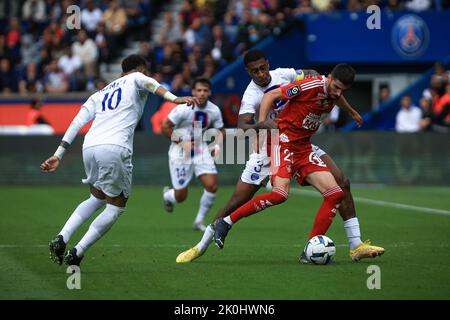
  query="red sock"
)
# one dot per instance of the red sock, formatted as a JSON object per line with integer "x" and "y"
{"x": 331, "y": 199}
{"x": 259, "y": 203}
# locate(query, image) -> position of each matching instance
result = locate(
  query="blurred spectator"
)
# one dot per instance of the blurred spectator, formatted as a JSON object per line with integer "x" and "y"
{"x": 101, "y": 40}
{"x": 221, "y": 50}
{"x": 418, "y": 5}
{"x": 30, "y": 81}
{"x": 55, "y": 81}
{"x": 34, "y": 10}
{"x": 440, "y": 73}
{"x": 304, "y": 6}
{"x": 137, "y": 17}
{"x": 34, "y": 115}
{"x": 171, "y": 30}
{"x": 100, "y": 84}
{"x": 29, "y": 50}
{"x": 8, "y": 79}
{"x": 408, "y": 118}
{"x": 71, "y": 64}
{"x": 438, "y": 118}
{"x": 36, "y": 122}
{"x": 90, "y": 17}
{"x": 13, "y": 34}
{"x": 115, "y": 18}
{"x": 384, "y": 94}
{"x": 188, "y": 13}
{"x": 86, "y": 50}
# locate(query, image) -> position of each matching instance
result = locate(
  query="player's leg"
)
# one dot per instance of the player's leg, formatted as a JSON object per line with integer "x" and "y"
{"x": 81, "y": 213}
{"x": 243, "y": 192}
{"x": 332, "y": 194}
{"x": 358, "y": 249}
{"x": 180, "y": 175}
{"x": 254, "y": 175}
{"x": 114, "y": 180}
{"x": 278, "y": 195}
{"x": 209, "y": 183}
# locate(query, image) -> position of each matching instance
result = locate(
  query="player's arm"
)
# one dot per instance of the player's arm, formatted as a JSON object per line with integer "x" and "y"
{"x": 305, "y": 74}
{"x": 267, "y": 102}
{"x": 150, "y": 84}
{"x": 215, "y": 147}
{"x": 86, "y": 114}
{"x": 344, "y": 105}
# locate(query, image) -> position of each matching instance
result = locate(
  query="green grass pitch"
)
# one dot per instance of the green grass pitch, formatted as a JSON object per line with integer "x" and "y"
{"x": 136, "y": 259}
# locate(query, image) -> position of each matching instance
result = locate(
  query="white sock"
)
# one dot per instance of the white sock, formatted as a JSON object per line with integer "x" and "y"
{"x": 99, "y": 227}
{"x": 83, "y": 212}
{"x": 351, "y": 227}
{"x": 227, "y": 219}
{"x": 169, "y": 195}
{"x": 206, "y": 239}
{"x": 206, "y": 202}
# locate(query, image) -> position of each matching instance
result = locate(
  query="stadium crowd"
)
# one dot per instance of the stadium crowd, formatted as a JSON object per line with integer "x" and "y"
{"x": 39, "y": 53}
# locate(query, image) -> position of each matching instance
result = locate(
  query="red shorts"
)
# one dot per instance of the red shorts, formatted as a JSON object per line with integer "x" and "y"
{"x": 289, "y": 162}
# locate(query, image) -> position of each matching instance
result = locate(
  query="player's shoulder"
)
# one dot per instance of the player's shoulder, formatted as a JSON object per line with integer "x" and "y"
{"x": 283, "y": 71}
{"x": 212, "y": 106}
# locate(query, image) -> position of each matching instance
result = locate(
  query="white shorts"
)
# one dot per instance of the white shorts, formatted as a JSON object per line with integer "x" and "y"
{"x": 319, "y": 152}
{"x": 109, "y": 169}
{"x": 181, "y": 170}
{"x": 257, "y": 167}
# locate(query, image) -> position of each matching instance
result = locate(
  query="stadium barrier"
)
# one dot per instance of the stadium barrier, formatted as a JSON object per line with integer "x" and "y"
{"x": 365, "y": 157}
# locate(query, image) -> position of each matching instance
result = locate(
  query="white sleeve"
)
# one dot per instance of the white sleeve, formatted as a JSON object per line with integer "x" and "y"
{"x": 248, "y": 104}
{"x": 146, "y": 83}
{"x": 86, "y": 114}
{"x": 218, "y": 122}
{"x": 176, "y": 115}
{"x": 291, "y": 74}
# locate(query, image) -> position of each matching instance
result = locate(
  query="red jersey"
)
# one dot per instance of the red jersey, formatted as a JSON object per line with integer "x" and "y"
{"x": 308, "y": 107}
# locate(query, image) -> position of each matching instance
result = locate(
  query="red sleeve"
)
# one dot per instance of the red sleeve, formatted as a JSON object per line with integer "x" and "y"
{"x": 297, "y": 88}
{"x": 291, "y": 90}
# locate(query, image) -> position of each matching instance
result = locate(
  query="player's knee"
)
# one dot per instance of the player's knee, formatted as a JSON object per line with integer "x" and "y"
{"x": 343, "y": 182}
{"x": 279, "y": 195}
{"x": 334, "y": 195}
{"x": 181, "y": 195}
{"x": 211, "y": 188}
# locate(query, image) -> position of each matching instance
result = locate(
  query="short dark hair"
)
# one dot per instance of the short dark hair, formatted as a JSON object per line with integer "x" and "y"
{"x": 132, "y": 62}
{"x": 253, "y": 55}
{"x": 201, "y": 80}
{"x": 345, "y": 73}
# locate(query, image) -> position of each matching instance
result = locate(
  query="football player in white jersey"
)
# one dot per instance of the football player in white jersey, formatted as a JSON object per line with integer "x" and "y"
{"x": 257, "y": 167}
{"x": 107, "y": 153}
{"x": 186, "y": 157}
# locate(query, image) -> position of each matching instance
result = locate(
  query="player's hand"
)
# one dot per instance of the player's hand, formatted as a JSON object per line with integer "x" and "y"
{"x": 267, "y": 124}
{"x": 215, "y": 152}
{"x": 51, "y": 164}
{"x": 358, "y": 119}
{"x": 311, "y": 74}
{"x": 187, "y": 148}
{"x": 190, "y": 101}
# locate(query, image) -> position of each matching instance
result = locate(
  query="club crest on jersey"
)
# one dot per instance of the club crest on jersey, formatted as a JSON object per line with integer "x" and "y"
{"x": 293, "y": 91}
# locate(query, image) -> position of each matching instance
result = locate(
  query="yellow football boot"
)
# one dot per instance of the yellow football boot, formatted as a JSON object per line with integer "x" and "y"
{"x": 189, "y": 255}
{"x": 365, "y": 250}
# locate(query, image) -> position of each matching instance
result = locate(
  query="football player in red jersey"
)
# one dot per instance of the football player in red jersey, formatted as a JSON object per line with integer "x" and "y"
{"x": 310, "y": 101}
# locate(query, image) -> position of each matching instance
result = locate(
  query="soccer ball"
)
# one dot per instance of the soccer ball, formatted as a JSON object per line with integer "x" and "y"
{"x": 320, "y": 250}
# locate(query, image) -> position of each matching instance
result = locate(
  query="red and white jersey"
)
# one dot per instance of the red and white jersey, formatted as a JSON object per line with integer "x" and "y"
{"x": 308, "y": 107}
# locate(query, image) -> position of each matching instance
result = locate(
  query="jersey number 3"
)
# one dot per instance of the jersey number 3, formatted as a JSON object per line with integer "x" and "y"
{"x": 107, "y": 99}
